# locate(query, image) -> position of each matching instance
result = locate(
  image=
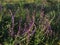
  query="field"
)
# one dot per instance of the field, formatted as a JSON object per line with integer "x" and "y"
{"x": 29, "y": 22}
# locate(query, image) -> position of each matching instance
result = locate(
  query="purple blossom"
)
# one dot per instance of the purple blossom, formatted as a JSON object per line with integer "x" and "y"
{"x": 0, "y": 7}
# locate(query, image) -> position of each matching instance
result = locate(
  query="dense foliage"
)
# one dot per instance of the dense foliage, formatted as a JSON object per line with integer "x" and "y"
{"x": 30, "y": 22}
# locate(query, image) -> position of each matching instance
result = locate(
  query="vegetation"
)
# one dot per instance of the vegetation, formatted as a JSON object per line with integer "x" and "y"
{"x": 29, "y": 22}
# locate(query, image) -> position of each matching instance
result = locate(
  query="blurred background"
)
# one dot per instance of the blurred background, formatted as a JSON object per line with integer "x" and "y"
{"x": 29, "y": 22}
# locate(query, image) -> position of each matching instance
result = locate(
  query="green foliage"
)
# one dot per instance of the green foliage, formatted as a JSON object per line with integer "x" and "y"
{"x": 40, "y": 36}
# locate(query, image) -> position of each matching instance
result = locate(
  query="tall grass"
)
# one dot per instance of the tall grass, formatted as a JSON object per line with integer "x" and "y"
{"x": 28, "y": 26}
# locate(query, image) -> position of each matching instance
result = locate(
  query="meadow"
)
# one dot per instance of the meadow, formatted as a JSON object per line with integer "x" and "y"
{"x": 29, "y": 22}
